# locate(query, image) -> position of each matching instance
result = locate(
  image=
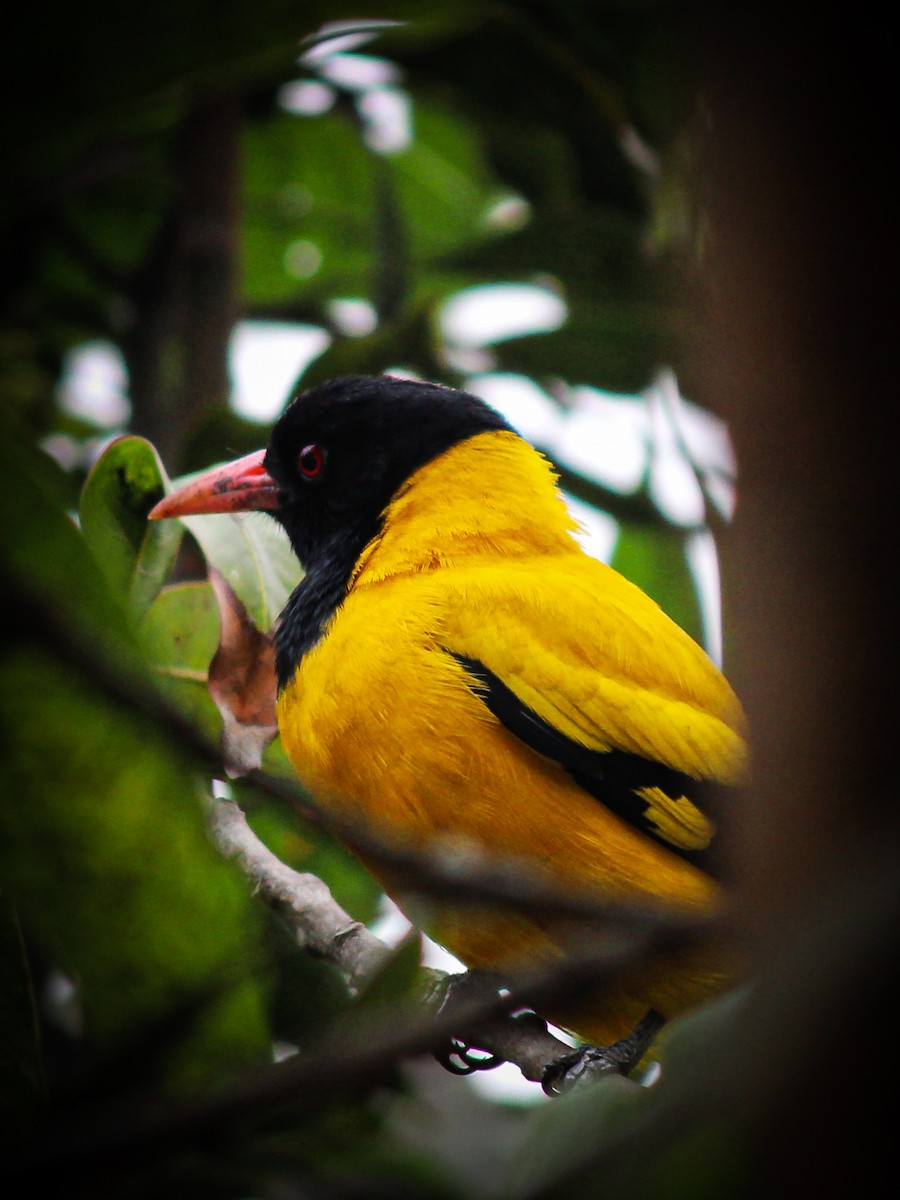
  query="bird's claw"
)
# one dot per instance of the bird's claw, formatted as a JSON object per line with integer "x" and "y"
{"x": 458, "y": 1056}
{"x": 461, "y": 1059}
{"x": 581, "y": 1066}
{"x": 467, "y": 986}
{"x": 591, "y": 1062}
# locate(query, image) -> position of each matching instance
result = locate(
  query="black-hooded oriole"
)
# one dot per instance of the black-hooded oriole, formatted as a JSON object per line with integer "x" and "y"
{"x": 453, "y": 665}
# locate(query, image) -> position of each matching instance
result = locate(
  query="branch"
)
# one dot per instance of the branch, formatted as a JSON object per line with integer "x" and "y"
{"x": 321, "y": 926}
{"x": 486, "y": 1017}
{"x": 357, "y": 1056}
{"x": 318, "y": 922}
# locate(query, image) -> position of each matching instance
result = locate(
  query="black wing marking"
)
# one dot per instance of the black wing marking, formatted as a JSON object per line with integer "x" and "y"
{"x": 613, "y": 777}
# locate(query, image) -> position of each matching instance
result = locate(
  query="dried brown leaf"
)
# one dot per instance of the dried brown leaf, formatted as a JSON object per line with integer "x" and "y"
{"x": 242, "y": 681}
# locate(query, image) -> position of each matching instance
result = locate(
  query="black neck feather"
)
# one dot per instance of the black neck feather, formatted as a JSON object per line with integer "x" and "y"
{"x": 312, "y": 604}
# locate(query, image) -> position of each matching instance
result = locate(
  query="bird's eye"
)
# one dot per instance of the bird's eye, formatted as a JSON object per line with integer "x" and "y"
{"x": 310, "y": 461}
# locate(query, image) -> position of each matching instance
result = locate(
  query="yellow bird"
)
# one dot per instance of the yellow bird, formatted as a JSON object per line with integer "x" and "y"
{"x": 454, "y": 667}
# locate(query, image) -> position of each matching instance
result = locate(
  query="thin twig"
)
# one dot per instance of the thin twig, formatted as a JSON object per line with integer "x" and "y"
{"x": 303, "y": 900}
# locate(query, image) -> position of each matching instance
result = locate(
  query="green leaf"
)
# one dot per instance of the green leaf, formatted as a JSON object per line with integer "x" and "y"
{"x": 444, "y": 184}
{"x": 133, "y": 553}
{"x": 105, "y": 850}
{"x": 398, "y": 979}
{"x": 653, "y": 557}
{"x": 254, "y": 555}
{"x": 107, "y": 855}
{"x": 407, "y": 338}
{"x": 565, "y": 1144}
{"x": 613, "y": 344}
{"x": 181, "y": 632}
{"x": 43, "y": 555}
{"x": 315, "y": 196}
{"x": 688, "y": 1040}
{"x": 308, "y": 206}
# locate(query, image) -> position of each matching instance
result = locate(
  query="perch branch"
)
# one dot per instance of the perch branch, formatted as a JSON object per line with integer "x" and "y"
{"x": 321, "y": 926}
{"x": 318, "y": 922}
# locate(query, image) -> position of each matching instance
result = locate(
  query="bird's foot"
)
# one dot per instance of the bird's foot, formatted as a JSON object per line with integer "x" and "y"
{"x": 591, "y": 1062}
{"x": 459, "y": 1056}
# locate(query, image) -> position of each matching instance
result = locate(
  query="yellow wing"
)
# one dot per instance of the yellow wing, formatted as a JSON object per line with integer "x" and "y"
{"x": 587, "y": 670}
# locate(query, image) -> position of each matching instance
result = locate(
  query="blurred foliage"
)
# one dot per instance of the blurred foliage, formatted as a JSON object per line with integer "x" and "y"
{"x": 199, "y": 187}
{"x": 159, "y": 188}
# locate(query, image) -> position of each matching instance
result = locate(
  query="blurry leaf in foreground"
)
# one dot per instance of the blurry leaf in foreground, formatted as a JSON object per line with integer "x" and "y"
{"x": 397, "y": 981}
{"x": 134, "y": 554}
{"x": 242, "y": 682}
{"x": 104, "y": 849}
{"x": 559, "y": 1138}
{"x": 625, "y": 1135}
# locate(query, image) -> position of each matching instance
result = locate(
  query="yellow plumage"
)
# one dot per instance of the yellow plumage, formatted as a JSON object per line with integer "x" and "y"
{"x": 476, "y": 558}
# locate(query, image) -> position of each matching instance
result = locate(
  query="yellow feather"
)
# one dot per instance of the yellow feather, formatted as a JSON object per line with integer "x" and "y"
{"x": 679, "y": 821}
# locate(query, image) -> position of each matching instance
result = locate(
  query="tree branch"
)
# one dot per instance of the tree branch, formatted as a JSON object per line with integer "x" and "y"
{"x": 321, "y": 926}
{"x": 318, "y": 922}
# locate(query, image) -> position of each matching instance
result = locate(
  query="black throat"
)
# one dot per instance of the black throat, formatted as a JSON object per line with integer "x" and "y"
{"x": 313, "y": 603}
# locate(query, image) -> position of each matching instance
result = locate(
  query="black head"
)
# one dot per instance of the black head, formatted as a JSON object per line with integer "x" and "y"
{"x": 342, "y": 450}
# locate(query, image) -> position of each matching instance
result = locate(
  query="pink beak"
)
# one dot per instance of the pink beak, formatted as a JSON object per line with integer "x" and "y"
{"x": 239, "y": 486}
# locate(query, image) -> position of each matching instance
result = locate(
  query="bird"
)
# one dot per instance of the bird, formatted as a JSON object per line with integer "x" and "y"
{"x": 455, "y": 669}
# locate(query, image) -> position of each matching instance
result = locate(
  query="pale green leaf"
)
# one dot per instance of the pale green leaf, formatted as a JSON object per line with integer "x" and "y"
{"x": 134, "y": 554}
{"x": 181, "y": 631}
{"x": 254, "y": 555}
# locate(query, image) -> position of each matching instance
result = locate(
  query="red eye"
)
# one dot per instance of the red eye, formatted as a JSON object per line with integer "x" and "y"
{"x": 310, "y": 461}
